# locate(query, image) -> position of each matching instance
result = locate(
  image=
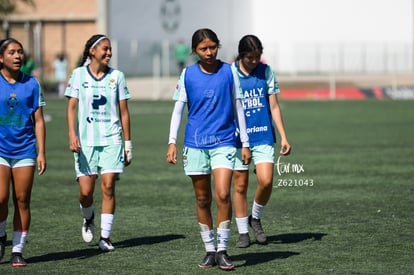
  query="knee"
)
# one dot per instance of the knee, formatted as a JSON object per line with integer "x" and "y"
{"x": 265, "y": 183}
{"x": 240, "y": 190}
{"x": 84, "y": 195}
{"x": 22, "y": 200}
{"x": 108, "y": 189}
{"x": 223, "y": 197}
{"x": 203, "y": 201}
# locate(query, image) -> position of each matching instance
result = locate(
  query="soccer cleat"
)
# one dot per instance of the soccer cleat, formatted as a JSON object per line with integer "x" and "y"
{"x": 223, "y": 261}
{"x": 2, "y": 246}
{"x": 17, "y": 260}
{"x": 258, "y": 231}
{"x": 244, "y": 241}
{"x": 106, "y": 245}
{"x": 208, "y": 261}
{"x": 88, "y": 229}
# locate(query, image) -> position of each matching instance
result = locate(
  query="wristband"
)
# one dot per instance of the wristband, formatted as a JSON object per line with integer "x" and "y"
{"x": 128, "y": 150}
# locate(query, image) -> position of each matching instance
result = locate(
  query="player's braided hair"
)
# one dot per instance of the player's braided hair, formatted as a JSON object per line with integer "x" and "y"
{"x": 88, "y": 46}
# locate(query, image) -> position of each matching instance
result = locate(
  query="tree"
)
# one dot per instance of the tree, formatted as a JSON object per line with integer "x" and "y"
{"x": 7, "y": 7}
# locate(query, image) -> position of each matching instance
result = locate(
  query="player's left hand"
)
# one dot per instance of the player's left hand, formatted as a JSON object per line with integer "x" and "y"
{"x": 246, "y": 155}
{"x": 41, "y": 165}
{"x": 128, "y": 152}
{"x": 285, "y": 149}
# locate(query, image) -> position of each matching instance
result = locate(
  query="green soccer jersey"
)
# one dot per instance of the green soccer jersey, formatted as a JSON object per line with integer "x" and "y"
{"x": 98, "y": 107}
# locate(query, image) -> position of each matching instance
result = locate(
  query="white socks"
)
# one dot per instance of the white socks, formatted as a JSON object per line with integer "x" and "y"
{"x": 207, "y": 236}
{"x": 19, "y": 238}
{"x": 242, "y": 225}
{"x": 106, "y": 225}
{"x": 19, "y": 241}
{"x": 107, "y": 220}
{"x": 86, "y": 212}
{"x": 223, "y": 236}
{"x": 257, "y": 210}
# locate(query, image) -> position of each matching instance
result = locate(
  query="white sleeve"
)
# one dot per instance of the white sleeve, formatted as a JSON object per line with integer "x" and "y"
{"x": 272, "y": 83}
{"x": 175, "y": 123}
{"x": 244, "y": 138}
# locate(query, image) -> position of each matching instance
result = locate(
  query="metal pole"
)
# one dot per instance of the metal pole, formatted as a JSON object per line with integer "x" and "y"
{"x": 102, "y": 17}
{"x": 63, "y": 51}
{"x": 6, "y": 26}
{"x": 37, "y": 37}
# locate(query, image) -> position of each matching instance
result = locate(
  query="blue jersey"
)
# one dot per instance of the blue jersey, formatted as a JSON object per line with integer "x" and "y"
{"x": 18, "y": 103}
{"x": 210, "y": 100}
{"x": 256, "y": 90}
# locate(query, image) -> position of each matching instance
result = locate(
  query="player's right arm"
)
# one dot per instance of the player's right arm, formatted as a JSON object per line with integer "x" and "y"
{"x": 174, "y": 128}
{"x": 74, "y": 144}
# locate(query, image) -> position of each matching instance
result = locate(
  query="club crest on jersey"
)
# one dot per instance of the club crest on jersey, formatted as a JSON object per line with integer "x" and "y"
{"x": 112, "y": 83}
{"x": 12, "y": 102}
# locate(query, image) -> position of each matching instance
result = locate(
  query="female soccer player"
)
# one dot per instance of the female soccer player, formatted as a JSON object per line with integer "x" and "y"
{"x": 98, "y": 122}
{"x": 261, "y": 106}
{"x": 211, "y": 91}
{"x": 22, "y": 144}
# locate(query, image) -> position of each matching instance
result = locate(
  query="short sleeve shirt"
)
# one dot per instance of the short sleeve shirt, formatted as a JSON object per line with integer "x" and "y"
{"x": 18, "y": 103}
{"x": 98, "y": 108}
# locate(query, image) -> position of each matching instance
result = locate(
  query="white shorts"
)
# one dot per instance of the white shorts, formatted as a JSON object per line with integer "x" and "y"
{"x": 260, "y": 154}
{"x": 92, "y": 160}
{"x": 13, "y": 163}
{"x": 201, "y": 162}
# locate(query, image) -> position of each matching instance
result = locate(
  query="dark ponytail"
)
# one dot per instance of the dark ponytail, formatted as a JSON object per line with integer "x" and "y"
{"x": 249, "y": 43}
{"x": 91, "y": 41}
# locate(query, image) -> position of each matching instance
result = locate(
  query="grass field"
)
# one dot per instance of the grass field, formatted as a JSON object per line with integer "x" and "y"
{"x": 350, "y": 211}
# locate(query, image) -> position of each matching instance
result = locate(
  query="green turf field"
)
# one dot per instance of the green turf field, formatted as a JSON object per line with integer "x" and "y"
{"x": 343, "y": 204}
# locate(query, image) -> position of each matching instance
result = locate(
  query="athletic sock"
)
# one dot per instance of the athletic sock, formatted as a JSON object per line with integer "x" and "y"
{"x": 257, "y": 210}
{"x": 106, "y": 225}
{"x": 86, "y": 212}
{"x": 223, "y": 235}
{"x": 19, "y": 241}
{"x": 207, "y": 235}
{"x": 242, "y": 225}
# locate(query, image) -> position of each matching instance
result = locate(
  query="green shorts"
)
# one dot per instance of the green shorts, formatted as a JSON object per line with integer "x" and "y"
{"x": 260, "y": 154}
{"x": 13, "y": 163}
{"x": 202, "y": 162}
{"x": 92, "y": 160}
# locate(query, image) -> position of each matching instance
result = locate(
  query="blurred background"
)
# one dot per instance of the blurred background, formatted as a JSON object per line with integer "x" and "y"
{"x": 319, "y": 49}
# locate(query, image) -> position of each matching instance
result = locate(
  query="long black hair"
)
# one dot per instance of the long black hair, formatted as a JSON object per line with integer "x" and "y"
{"x": 200, "y": 35}
{"x": 89, "y": 44}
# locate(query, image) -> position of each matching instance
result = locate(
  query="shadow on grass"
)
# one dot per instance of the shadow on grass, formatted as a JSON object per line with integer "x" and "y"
{"x": 148, "y": 240}
{"x": 261, "y": 257}
{"x": 295, "y": 237}
{"x": 91, "y": 252}
{"x": 63, "y": 255}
